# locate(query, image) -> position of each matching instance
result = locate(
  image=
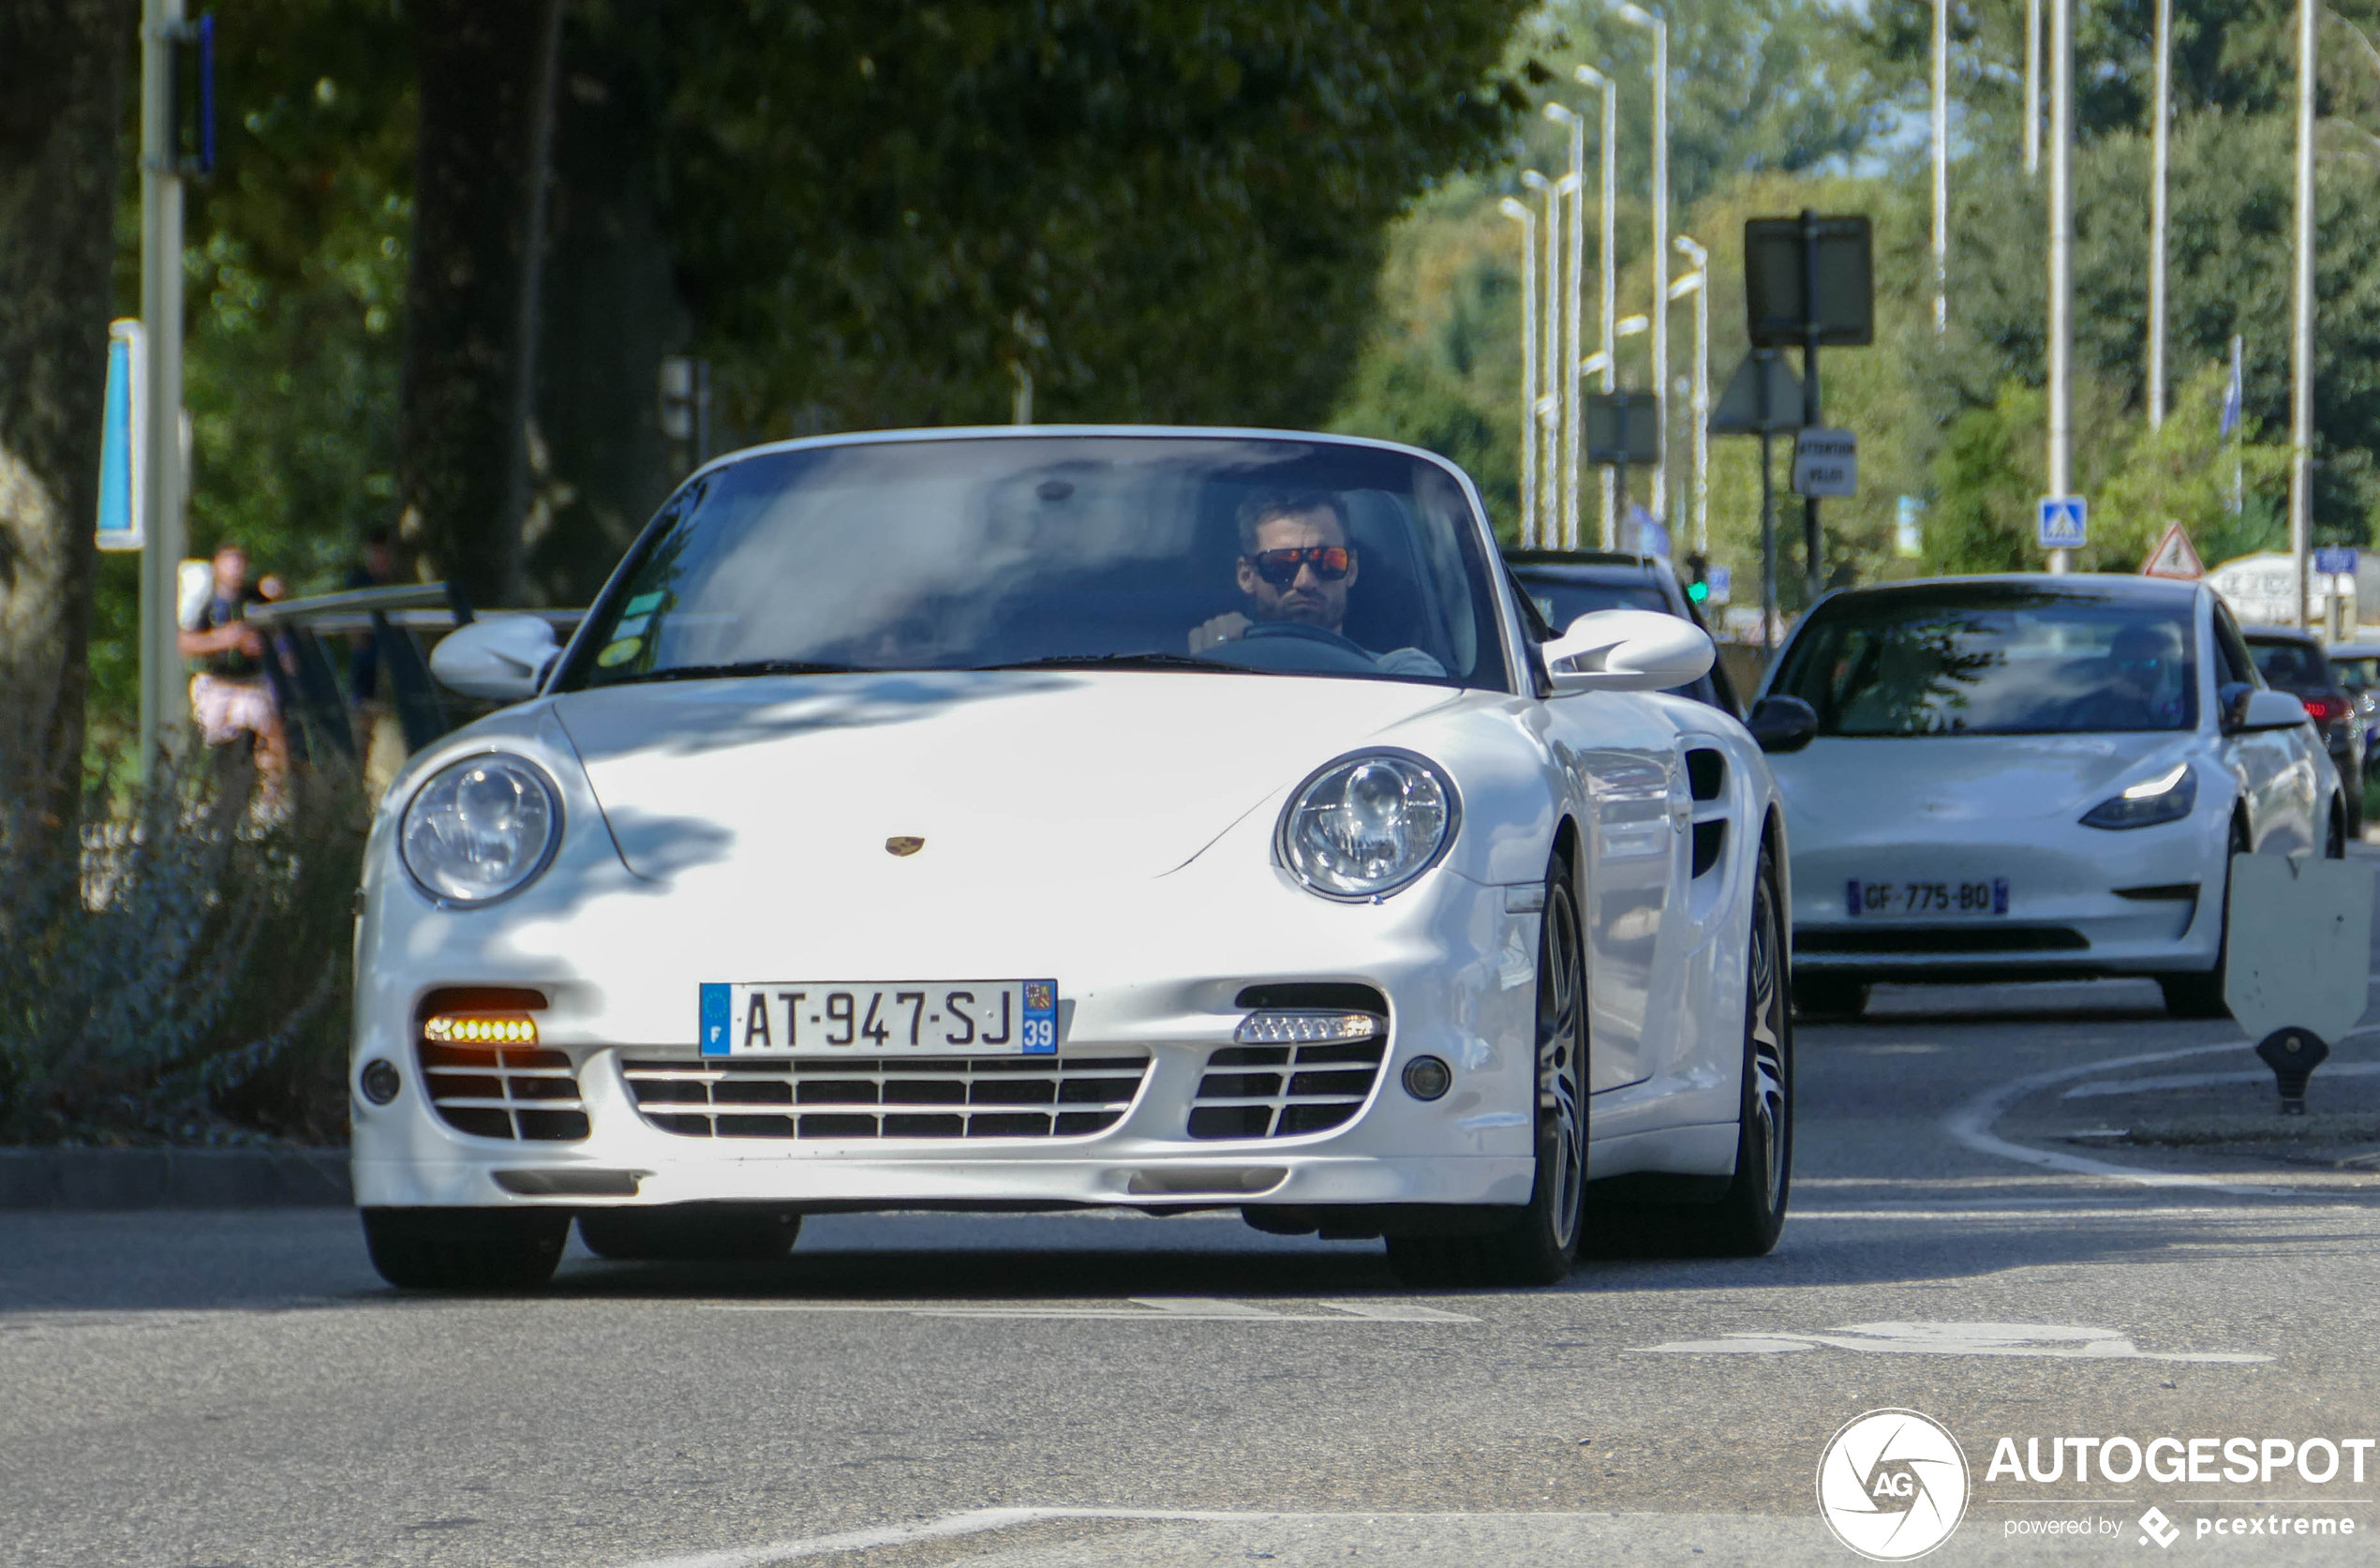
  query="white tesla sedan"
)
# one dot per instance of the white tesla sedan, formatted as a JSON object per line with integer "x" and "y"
{"x": 1059, "y": 817}
{"x": 2033, "y": 777}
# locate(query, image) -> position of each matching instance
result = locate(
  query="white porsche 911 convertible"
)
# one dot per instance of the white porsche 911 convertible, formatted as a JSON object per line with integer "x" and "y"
{"x": 1073, "y": 817}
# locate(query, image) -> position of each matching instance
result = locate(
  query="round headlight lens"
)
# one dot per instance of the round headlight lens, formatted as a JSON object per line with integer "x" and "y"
{"x": 481, "y": 828}
{"x": 1367, "y": 825}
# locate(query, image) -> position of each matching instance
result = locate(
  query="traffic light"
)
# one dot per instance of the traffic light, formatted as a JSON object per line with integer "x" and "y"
{"x": 1698, "y": 578}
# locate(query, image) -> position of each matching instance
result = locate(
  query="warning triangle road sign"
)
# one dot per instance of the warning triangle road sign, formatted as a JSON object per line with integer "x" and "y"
{"x": 1763, "y": 396}
{"x": 2174, "y": 557}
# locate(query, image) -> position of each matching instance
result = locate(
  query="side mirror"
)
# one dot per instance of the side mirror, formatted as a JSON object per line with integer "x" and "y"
{"x": 502, "y": 658}
{"x": 1782, "y": 723}
{"x": 1628, "y": 651}
{"x": 2254, "y": 709}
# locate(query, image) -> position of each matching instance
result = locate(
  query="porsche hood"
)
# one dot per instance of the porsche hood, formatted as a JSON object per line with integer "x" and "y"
{"x": 1026, "y": 775}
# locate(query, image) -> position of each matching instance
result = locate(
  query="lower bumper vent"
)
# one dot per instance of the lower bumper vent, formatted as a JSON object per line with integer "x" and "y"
{"x": 1932, "y": 941}
{"x": 520, "y": 1094}
{"x": 941, "y": 1096}
{"x": 1258, "y": 1091}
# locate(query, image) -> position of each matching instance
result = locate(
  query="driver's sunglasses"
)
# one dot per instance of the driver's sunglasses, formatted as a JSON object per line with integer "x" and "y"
{"x": 1280, "y": 567}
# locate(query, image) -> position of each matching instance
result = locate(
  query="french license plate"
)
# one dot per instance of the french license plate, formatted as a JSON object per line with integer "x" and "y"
{"x": 1927, "y": 901}
{"x": 881, "y": 1018}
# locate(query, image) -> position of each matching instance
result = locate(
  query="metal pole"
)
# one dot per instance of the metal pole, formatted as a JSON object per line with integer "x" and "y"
{"x": 1519, "y": 213}
{"x": 1608, "y": 274}
{"x": 2301, "y": 339}
{"x": 2032, "y": 88}
{"x": 2238, "y": 419}
{"x": 1941, "y": 165}
{"x": 1813, "y": 538}
{"x": 164, "y": 710}
{"x": 1548, "y": 408}
{"x": 1768, "y": 511}
{"x": 1661, "y": 266}
{"x": 2161, "y": 149}
{"x": 1573, "y": 307}
{"x": 1699, "y": 404}
{"x": 2061, "y": 258}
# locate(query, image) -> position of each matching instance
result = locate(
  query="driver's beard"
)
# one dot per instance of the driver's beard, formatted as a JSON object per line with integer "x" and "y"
{"x": 1306, "y": 610}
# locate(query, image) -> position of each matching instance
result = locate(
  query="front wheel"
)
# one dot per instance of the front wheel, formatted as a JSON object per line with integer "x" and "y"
{"x": 1537, "y": 1243}
{"x": 1751, "y": 1214}
{"x": 2200, "y": 995}
{"x": 466, "y": 1250}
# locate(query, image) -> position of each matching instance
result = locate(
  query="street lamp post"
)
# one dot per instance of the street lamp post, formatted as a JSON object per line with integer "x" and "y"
{"x": 2301, "y": 341}
{"x": 163, "y": 707}
{"x": 1941, "y": 165}
{"x": 1698, "y": 283}
{"x": 1574, "y": 307}
{"x": 2032, "y": 88}
{"x": 1547, "y": 408}
{"x": 2159, "y": 144}
{"x": 2061, "y": 258}
{"x": 1607, "y": 275}
{"x": 1660, "y": 31}
{"x": 1519, "y": 213}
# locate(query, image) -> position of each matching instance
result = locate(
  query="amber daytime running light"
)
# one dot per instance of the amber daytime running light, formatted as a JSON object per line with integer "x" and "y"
{"x": 480, "y": 1028}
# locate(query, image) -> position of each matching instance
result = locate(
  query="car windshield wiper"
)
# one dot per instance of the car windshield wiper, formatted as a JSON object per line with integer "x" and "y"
{"x": 1121, "y": 661}
{"x": 747, "y": 666}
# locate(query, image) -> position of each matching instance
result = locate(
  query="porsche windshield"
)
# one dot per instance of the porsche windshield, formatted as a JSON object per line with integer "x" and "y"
{"x": 1217, "y": 553}
{"x": 1993, "y": 660}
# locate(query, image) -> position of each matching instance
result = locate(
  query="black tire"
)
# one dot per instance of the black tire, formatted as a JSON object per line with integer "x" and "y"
{"x": 1537, "y": 1243}
{"x": 1750, "y": 1215}
{"x": 688, "y": 1233}
{"x": 1829, "y": 996}
{"x": 2345, "y": 823}
{"x": 2200, "y": 994}
{"x": 466, "y": 1250}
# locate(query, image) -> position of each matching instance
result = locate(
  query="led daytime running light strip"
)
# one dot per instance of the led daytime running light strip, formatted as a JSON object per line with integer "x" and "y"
{"x": 1306, "y": 1028}
{"x": 466, "y": 1028}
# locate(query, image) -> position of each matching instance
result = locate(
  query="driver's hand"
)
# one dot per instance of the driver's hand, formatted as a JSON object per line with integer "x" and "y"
{"x": 1221, "y": 629}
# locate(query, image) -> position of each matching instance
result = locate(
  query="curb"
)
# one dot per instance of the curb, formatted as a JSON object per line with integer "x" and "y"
{"x": 89, "y": 1179}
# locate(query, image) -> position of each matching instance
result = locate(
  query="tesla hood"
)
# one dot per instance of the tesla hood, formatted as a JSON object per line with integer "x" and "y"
{"x": 1986, "y": 778}
{"x": 1003, "y": 774}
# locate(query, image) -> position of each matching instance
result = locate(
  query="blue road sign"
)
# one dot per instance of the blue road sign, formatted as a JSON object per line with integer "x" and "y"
{"x": 2335, "y": 562}
{"x": 1722, "y": 583}
{"x": 2065, "y": 522}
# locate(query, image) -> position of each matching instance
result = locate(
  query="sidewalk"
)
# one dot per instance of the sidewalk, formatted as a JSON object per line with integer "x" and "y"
{"x": 86, "y": 1178}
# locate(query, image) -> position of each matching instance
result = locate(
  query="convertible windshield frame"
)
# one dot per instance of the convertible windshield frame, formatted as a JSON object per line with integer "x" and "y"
{"x": 1453, "y": 552}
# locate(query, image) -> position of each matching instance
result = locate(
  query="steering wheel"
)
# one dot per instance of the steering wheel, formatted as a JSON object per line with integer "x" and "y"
{"x": 1312, "y": 633}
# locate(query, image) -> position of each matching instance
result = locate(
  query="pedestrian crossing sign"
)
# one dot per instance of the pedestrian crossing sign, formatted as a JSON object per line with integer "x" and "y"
{"x": 2064, "y": 522}
{"x": 2174, "y": 557}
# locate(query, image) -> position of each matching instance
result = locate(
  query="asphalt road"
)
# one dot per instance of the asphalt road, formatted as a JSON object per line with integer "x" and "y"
{"x": 1968, "y": 1242}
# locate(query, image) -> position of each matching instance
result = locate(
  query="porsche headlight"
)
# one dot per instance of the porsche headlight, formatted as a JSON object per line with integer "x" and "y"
{"x": 481, "y": 828}
{"x": 1367, "y": 825}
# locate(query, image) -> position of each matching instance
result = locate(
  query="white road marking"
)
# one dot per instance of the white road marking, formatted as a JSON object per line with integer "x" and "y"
{"x": 2057, "y": 1340}
{"x": 1972, "y": 1123}
{"x": 1143, "y": 1309}
{"x": 2327, "y": 1210}
{"x": 2206, "y": 1079}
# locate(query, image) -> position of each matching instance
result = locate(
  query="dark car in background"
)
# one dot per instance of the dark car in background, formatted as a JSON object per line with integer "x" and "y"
{"x": 2358, "y": 667}
{"x": 2292, "y": 661}
{"x": 1564, "y": 585}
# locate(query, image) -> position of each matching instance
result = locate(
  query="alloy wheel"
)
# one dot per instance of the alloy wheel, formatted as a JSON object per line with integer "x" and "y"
{"x": 1561, "y": 1032}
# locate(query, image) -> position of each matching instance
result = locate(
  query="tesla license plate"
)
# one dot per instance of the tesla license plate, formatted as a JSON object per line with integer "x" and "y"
{"x": 881, "y": 1018}
{"x": 1927, "y": 901}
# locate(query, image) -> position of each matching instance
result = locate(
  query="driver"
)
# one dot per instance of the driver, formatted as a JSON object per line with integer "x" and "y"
{"x": 1297, "y": 568}
{"x": 2137, "y": 694}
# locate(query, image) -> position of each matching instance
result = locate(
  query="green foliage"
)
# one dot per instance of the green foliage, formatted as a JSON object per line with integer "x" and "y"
{"x": 178, "y": 971}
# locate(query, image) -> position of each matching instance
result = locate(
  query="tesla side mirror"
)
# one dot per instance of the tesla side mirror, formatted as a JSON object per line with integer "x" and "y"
{"x": 502, "y": 658}
{"x": 1628, "y": 651}
{"x": 1782, "y": 723}
{"x": 2263, "y": 709}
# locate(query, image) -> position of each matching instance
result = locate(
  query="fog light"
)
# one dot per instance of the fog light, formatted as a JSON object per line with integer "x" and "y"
{"x": 480, "y": 1028}
{"x": 1306, "y": 1028}
{"x": 379, "y": 1080}
{"x": 1427, "y": 1078}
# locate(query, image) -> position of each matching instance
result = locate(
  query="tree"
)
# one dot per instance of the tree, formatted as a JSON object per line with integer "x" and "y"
{"x": 485, "y": 70}
{"x": 62, "y": 68}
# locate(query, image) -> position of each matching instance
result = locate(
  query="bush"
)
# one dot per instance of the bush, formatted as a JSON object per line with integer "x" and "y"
{"x": 176, "y": 969}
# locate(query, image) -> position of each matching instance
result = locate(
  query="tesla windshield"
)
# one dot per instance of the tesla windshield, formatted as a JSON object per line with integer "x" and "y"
{"x": 1221, "y": 553}
{"x": 1989, "y": 660}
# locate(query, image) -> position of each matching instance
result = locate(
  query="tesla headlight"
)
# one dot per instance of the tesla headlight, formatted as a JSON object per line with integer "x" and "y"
{"x": 481, "y": 828}
{"x": 2167, "y": 797}
{"x": 1365, "y": 826}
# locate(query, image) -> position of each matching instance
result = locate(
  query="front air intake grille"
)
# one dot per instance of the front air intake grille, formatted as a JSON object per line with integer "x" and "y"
{"x": 934, "y": 1097}
{"x": 1935, "y": 941}
{"x": 520, "y": 1093}
{"x": 1258, "y": 1091}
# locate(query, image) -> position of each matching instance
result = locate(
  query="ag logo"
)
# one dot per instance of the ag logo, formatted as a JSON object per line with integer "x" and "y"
{"x": 1892, "y": 1484}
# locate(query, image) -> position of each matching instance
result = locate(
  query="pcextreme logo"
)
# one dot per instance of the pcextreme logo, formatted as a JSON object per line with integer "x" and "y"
{"x": 1892, "y": 1484}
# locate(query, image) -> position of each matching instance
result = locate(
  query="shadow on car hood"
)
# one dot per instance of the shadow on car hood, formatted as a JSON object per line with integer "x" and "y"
{"x": 1980, "y": 778}
{"x": 1024, "y": 774}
